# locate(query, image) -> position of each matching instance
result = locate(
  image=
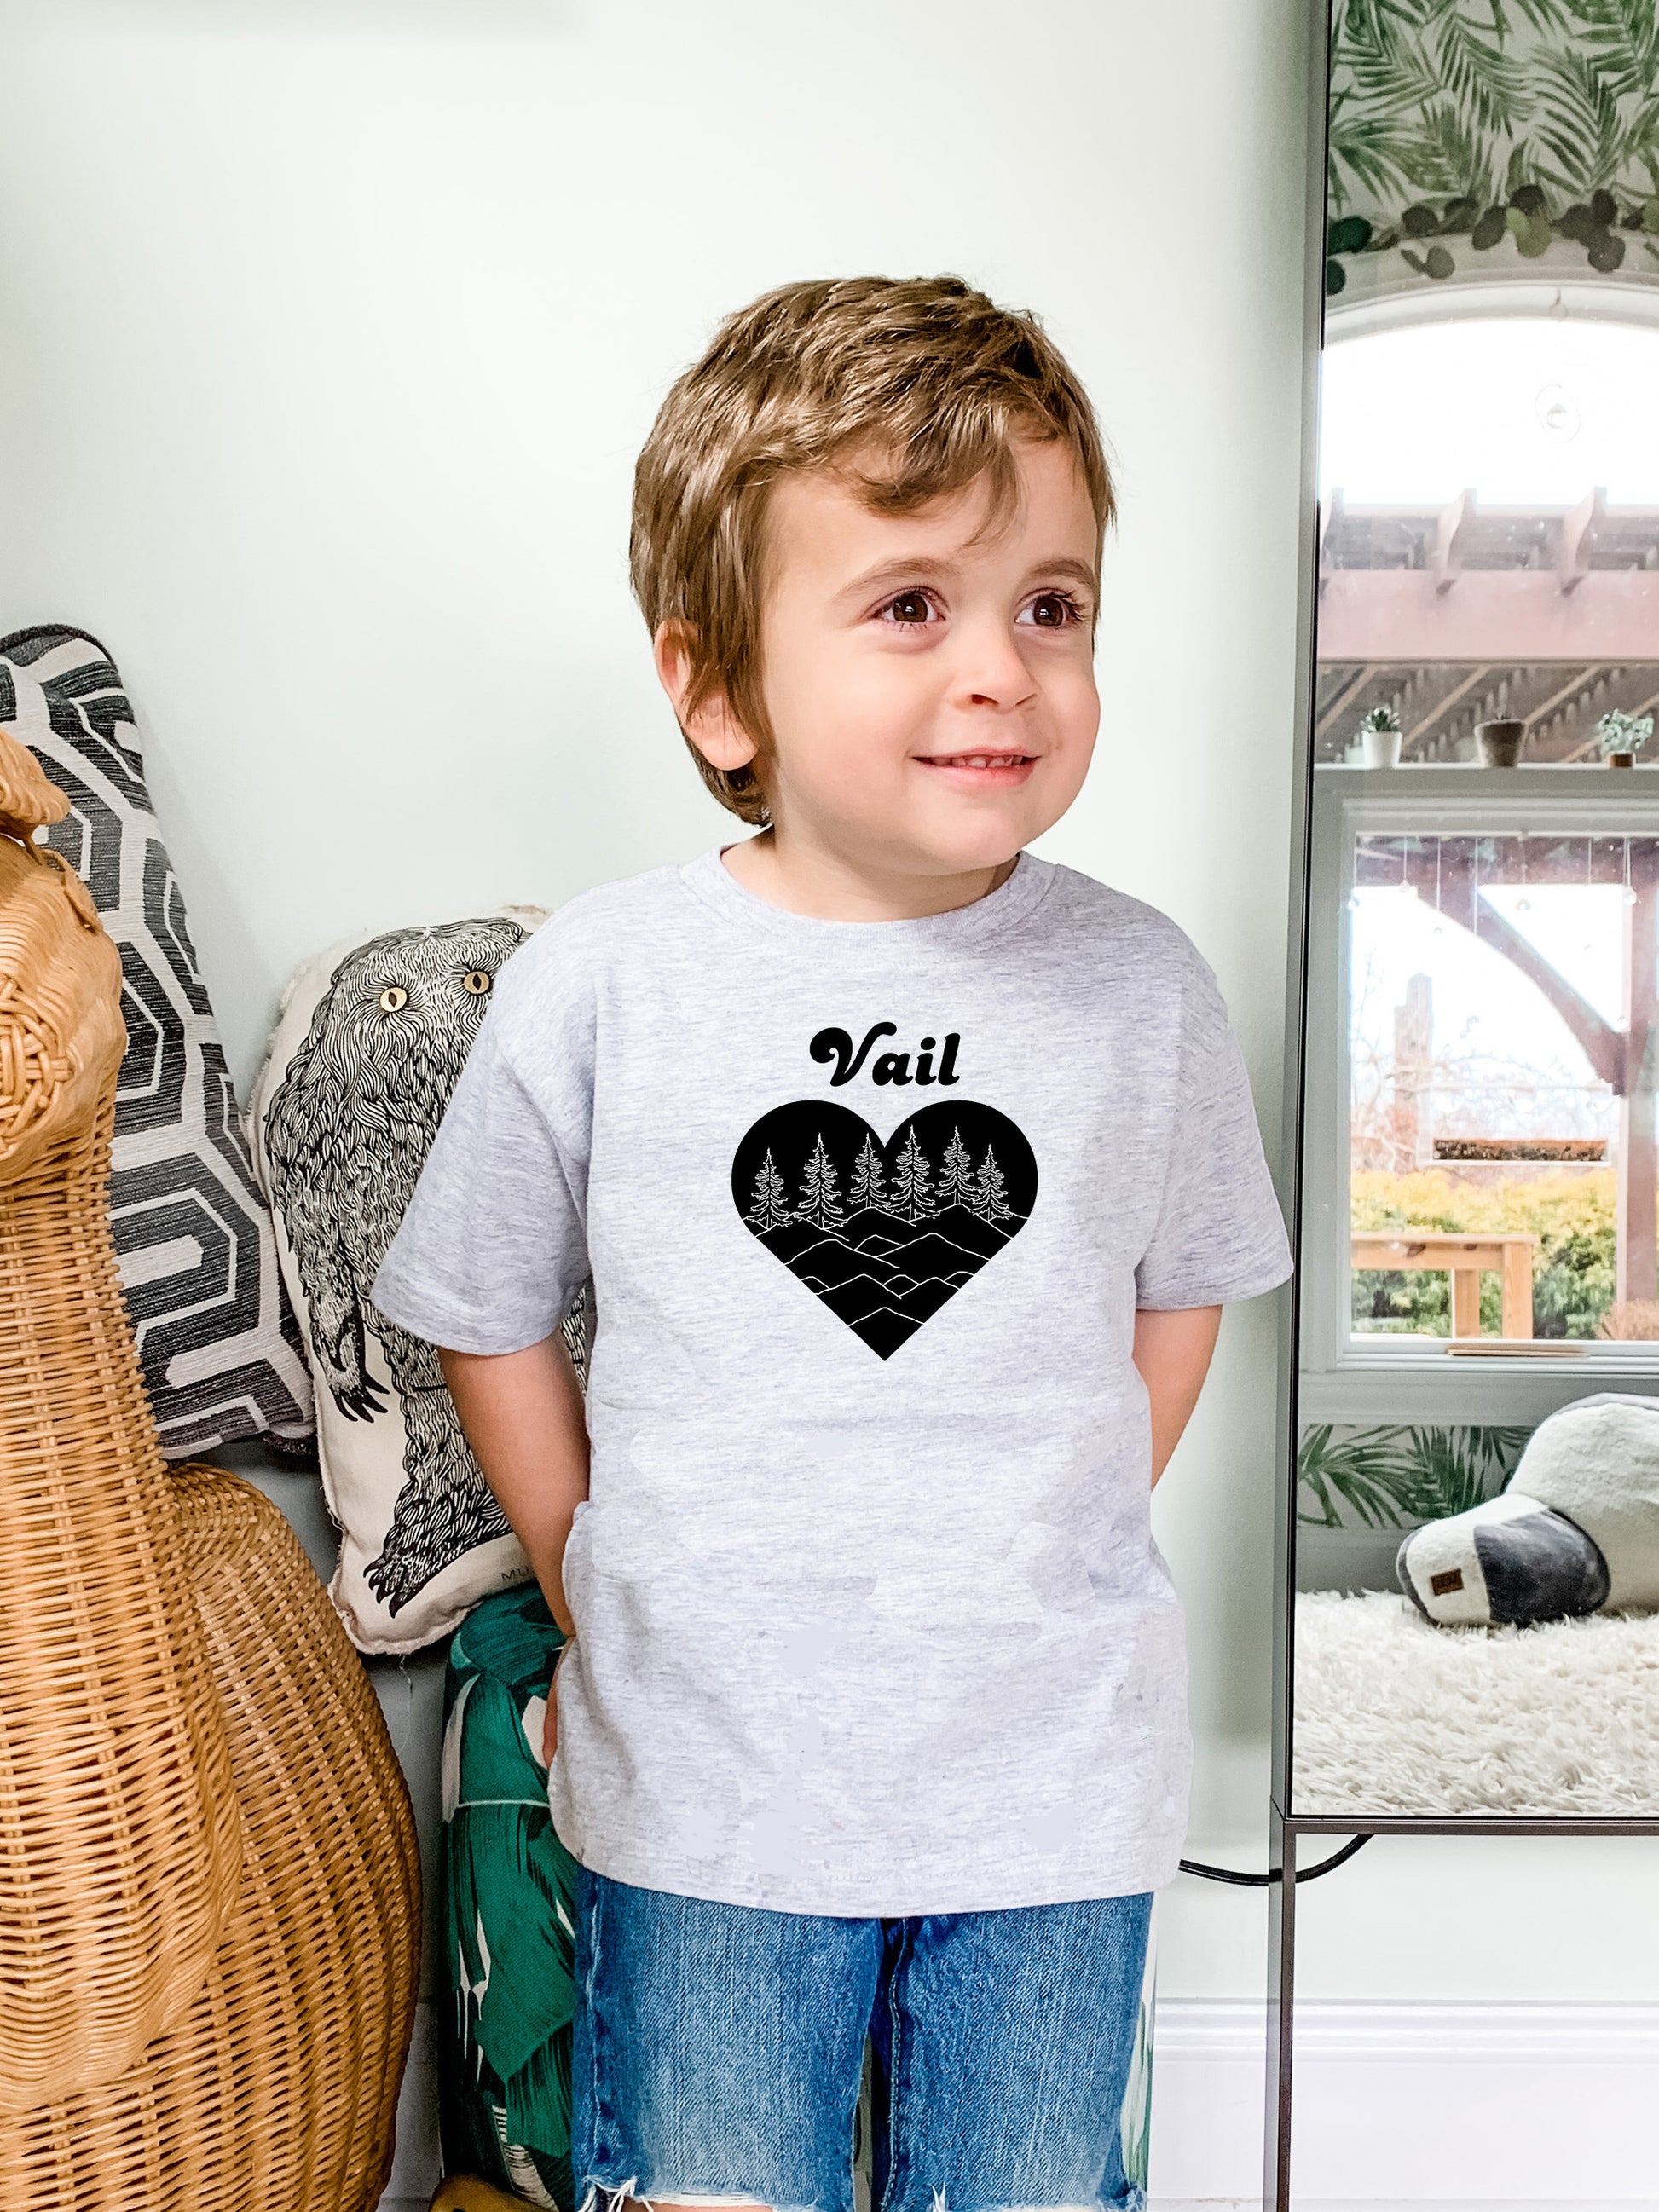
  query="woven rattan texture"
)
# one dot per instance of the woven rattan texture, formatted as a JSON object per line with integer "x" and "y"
{"x": 28, "y": 800}
{"x": 61, "y": 1032}
{"x": 277, "y": 2093}
{"x": 120, "y": 1837}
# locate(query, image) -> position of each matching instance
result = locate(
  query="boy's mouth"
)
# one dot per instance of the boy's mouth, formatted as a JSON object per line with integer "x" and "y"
{"x": 979, "y": 769}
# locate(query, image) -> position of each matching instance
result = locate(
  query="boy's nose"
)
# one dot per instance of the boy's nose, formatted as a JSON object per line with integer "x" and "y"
{"x": 989, "y": 671}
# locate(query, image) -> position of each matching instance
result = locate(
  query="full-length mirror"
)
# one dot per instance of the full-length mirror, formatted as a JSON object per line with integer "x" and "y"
{"x": 1477, "y": 1537}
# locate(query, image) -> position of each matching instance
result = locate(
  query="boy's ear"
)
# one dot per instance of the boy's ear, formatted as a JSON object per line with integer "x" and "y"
{"x": 710, "y": 725}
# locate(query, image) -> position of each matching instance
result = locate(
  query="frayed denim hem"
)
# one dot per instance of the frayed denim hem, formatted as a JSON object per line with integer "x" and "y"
{"x": 618, "y": 2196}
{"x": 1134, "y": 2199}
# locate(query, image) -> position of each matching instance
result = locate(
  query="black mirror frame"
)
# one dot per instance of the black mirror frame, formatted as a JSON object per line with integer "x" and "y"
{"x": 1285, "y": 1828}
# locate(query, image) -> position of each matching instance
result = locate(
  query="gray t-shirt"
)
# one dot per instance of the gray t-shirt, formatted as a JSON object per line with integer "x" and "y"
{"x": 870, "y": 1619}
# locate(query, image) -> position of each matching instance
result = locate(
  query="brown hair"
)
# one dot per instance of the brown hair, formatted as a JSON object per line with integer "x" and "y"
{"x": 925, "y": 372}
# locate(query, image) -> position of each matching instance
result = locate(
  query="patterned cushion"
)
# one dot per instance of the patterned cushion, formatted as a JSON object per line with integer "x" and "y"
{"x": 221, "y": 1354}
{"x": 506, "y": 1912}
{"x": 370, "y": 1041}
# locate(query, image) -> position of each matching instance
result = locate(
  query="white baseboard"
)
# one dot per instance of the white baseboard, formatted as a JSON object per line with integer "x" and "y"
{"x": 1494, "y": 2106}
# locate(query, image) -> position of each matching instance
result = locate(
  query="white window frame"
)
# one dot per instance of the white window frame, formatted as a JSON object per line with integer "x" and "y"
{"x": 1349, "y": 1379}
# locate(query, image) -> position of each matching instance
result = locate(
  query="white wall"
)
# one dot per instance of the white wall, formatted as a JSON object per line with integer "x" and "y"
{"x": 333, "y": 332}
{"x": 331, "y": 327}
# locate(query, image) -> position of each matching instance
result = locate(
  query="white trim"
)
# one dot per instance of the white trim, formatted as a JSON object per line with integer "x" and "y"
{"x": 1345, "y": 1379}
{"x": 1451, "y": 1392}
{"x": 1447, "y": 2030}
{"x": 1424, "y": 2104}
{"x": 1566, "y": 290}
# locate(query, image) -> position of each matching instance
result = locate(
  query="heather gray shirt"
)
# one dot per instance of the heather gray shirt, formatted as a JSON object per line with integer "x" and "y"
{"x": 870, "y": 1619}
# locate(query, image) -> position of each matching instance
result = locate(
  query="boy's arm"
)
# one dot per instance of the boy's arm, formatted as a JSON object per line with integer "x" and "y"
{"x": 1172, "y": 1350}
{"x": 522, "y": 1412}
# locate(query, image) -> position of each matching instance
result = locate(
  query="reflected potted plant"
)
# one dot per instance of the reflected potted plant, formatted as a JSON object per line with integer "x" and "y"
{"x": 1498, "y": 743}
{"x": 1620, "y": 737}
{"x": 1380, "y": 738}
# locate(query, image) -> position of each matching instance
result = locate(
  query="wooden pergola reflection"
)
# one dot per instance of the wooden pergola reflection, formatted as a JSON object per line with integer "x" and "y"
{"x": 1449, "y": 616}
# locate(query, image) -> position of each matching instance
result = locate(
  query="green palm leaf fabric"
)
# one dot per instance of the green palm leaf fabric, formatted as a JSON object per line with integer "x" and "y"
{"x": 1493, "y": 128}
{"x": 508, "y": 1904}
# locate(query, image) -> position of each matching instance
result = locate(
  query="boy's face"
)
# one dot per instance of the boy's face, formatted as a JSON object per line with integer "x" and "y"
{"x": 929, "y": 680}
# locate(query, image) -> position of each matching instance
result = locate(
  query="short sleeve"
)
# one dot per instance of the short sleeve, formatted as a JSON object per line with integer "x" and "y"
{"x": 1220, "y": 1236}
{"x": 493, "y": 1246}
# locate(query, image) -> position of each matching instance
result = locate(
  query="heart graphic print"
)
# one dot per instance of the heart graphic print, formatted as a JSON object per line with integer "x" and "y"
{"x": 885, "y": 1234}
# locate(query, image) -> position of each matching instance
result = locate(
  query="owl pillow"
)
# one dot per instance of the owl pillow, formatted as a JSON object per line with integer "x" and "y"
{"x": 368, "y": 1044}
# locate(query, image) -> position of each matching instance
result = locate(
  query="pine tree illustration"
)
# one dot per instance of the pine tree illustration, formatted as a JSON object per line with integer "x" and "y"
{"x": 990, "y": 1199}
{"x": 913, "y": 1195}
{"x": 956, "y": 1173}
{"x": 820, "y": 1190}
{"x": 769, "y": 1210}
{"x": 869, "y": 1185}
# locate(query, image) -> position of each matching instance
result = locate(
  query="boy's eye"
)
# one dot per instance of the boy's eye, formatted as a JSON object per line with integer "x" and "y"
{"x": 1053, "y": 611}
{"x": 909, "y": 608}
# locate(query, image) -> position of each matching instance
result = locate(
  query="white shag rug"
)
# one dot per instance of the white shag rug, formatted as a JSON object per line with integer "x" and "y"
{"x": 1395, "y": 1716}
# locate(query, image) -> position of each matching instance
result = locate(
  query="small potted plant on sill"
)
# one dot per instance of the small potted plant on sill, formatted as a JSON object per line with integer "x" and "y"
{"x": 1498, "y": 743}
{"x": 1380, "y": 738}
{"x": 1621, "y": 736}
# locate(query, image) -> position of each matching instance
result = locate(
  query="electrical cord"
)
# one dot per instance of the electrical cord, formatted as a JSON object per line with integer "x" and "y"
{"x": 1267, "y": 1881}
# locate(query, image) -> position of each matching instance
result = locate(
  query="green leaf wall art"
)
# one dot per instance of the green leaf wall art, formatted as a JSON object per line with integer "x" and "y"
{"x": 1469, "y": 135}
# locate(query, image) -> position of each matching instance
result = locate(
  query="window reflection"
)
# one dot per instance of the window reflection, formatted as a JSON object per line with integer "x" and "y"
{"x": 1502, "y": 997}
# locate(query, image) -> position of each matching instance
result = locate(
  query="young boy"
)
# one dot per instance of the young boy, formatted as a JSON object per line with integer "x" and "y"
{"x": 911, "y": 1174}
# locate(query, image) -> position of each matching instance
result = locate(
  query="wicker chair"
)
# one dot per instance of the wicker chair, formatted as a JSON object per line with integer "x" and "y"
{"x": 209, "y": 1888}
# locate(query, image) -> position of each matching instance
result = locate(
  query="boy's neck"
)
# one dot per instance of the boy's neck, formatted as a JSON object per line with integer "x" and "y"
{"x": 793, "y": 872}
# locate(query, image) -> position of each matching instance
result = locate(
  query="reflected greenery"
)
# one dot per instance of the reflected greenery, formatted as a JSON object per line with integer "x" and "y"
{"x": 1470, "y": 122}
{"x": 1395, "y": 1477}
{"x": 1571, "y": 1214}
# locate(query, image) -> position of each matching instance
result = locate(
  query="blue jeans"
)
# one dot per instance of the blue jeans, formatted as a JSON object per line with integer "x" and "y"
{"x": 719, "y": 2051}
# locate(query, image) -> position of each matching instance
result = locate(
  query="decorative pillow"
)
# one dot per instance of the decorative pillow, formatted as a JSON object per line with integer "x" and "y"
{"x": 1508, "y": 1561}
{"x": 219, "y": 1348}
{"x": 368, "y": 1043}
{"x": 506, "y": 1912}
{"x": 1597, "y": 1461}
{"x": 1575, "y": 1530}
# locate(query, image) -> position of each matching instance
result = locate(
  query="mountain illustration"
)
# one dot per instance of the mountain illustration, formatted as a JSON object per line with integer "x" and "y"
{"x": 884, "y": 1235}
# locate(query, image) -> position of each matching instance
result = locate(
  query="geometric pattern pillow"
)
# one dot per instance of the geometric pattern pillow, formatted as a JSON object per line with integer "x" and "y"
{"x": 220, "y": 1350}
{"x": 506, "y": 1910}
